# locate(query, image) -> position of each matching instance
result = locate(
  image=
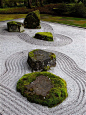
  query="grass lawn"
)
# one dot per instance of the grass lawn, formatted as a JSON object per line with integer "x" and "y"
{"x": 80, "y": 22}
{"x": 4, "y": 17}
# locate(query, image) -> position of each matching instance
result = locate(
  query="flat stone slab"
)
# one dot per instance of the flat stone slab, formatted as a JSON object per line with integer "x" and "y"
{"x": 41, "y": 60}
{"x": 41, "y": 86}
{"x": 14, "y": 26}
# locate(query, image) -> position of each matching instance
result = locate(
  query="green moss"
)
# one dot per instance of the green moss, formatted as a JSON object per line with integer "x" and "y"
{"x": 53, "y": 56}
{"x": 14, "y": 22}
{"x": 56, "y": 94}
{"x": 44, "y": 36}
{"x": 46, "y": 68}
{"x": 31, "y": 54}
{"x": 37, "y": 13}
{"x": 49, "y": 34}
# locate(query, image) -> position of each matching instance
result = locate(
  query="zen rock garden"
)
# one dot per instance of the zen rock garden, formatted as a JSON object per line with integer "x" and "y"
{"x": 42, "y": 87}
{"x": 32, "y": 21}
{"x": 39, "y": 87}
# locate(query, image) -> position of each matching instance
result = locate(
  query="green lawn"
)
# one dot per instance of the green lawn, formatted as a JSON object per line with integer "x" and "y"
{"x": 4, "y": 17}
{"x": 80, "y": 22}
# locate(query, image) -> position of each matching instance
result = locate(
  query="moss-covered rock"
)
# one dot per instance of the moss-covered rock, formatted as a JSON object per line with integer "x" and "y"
{"x": 43, "y": 88}
{"x": 41, "y": 60}
{"x": 47, "y": 36}
{"x": 32, "y": 20}
{"x": 14, "y": 26}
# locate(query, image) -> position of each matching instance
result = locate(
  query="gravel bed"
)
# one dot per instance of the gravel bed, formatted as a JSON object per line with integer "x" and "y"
{"x": 69, "y": 47}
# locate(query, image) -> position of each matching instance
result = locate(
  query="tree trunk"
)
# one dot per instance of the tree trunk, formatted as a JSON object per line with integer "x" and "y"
{"x": 1, "y": 3}
{"x": 25, "y": 2}
{"x": 81, "y": 1}
{"x": 41, "y": 2}
{"x": 15, "y": 4}
{"x": 36, "y": 2}
{"x": 29, "y": 4}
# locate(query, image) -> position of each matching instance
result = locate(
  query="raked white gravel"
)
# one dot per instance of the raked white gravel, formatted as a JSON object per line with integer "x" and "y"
{"x": 70, "y": 49}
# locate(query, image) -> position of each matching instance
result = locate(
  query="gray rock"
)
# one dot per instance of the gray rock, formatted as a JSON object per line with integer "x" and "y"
{"x": 32, "y": 20}
{"x": 41, "y": 86}
{"x": 40, "y": 60}
{"x": 14, "y": 26}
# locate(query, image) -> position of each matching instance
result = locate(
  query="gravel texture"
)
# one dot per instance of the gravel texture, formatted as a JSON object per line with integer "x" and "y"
{"x": 69, "y": 46}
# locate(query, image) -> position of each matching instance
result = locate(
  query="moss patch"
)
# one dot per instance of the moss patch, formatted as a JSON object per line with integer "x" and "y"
{"x": 31, "y": 54}
{"x": 54, "y": 96}
{"x": 47, "y": 36}
{"x": 53, "y": 56}
{"x": 14, "y": 23}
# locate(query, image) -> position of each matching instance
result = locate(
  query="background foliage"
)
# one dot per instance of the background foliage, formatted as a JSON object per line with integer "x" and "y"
{"x": 73, "y": 8}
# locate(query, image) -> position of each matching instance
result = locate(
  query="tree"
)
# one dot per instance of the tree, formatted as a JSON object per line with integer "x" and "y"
{"x": 41, "y": 2}
{"x": 81, "y": 1}
{"x": 36, "y": 2}
{"x": 1, "y": 3}
{"x": 29, "y": 3}
{"x": 15, "y": 3}
{"x": 25, "y": 2}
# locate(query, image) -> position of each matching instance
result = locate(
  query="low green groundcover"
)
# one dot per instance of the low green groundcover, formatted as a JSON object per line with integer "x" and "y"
{"x": 15, "y": 23}
{"x": 56, "y": 94}
{"x": 47, "y": 36}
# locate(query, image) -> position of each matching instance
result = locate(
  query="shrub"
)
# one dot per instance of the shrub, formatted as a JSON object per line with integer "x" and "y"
{"x": 61, "y": 9}
{"x": 55, "y": 95}
{"x": 78, "y": 10}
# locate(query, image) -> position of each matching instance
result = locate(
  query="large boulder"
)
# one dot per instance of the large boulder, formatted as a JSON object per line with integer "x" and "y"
{"x": 43, "y": 88}
{"x": 47, "y": 36}
{"x": 14, "y": 26}
{"x": 32, "y": 20}
{"x": 41, "y": 60}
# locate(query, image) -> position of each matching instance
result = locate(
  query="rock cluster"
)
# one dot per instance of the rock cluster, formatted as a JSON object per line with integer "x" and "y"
{"x": 32, "y": 21}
